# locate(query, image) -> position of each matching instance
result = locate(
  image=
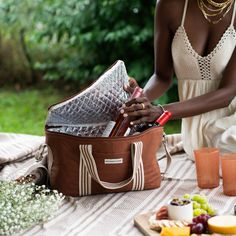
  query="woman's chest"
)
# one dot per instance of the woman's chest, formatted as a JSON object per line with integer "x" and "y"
{"x": 202, "y": 35}
{"x": 189, "y": 64}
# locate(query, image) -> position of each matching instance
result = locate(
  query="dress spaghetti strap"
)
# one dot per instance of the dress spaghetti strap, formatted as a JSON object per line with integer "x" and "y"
{"x": 233, "y": 15}
{"x": 184, "y": 12}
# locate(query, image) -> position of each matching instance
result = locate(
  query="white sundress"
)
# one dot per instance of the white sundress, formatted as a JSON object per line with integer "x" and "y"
{"x": 198, "y": 75}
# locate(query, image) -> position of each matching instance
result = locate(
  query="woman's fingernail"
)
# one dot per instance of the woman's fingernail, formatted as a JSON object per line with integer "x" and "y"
{"x": 125, "y": 115}
{"x": 123, "y": 105}
{"x": 122, "y": 111}
{"x": 131, "y": 123}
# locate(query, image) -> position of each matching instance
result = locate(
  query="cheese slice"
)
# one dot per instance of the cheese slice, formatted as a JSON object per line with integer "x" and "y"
{"x": 157, "y": 225}
{"x": 225, "y": 224}
{"x": 175, "y": 231}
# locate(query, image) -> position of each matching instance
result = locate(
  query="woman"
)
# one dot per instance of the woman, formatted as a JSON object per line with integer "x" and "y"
{"x": 195, "y": 39}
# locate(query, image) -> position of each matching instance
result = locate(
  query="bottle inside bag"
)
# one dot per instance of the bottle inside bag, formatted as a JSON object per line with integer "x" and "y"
{"x": 161, "y": 121}
{"x": 120, "y": 127}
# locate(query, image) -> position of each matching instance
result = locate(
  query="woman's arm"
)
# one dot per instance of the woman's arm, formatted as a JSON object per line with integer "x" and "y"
{"x": 195, "y": 106}
{"x": 209, "y": 101}
{"x": 161, "y": 79}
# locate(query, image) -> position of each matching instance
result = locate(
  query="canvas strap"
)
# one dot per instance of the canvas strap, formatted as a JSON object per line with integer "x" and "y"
{"x": 167, "y": 156}
{"x": 88, "y": 167}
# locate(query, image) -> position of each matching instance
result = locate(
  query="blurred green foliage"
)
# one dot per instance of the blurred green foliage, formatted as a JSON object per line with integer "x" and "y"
{"x": 71, "y": 42}
{"x": 78, "y": 39}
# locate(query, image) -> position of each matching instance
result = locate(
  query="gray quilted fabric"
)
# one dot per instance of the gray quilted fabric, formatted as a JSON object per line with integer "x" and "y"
{"x": 88, "y": 113}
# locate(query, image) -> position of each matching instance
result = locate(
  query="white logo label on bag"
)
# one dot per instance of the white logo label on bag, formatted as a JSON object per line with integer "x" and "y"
{"x": 114, "y": 161}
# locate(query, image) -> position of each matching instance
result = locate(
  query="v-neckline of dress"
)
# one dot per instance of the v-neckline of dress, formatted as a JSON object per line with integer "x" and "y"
{"x": 194, "y": 52}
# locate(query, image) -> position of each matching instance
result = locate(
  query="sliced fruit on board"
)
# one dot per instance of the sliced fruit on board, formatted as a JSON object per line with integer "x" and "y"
{"x": 225, "y": 224}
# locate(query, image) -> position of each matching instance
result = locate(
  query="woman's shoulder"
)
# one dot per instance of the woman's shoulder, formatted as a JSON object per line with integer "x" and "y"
{"x": 170, "y": 10}
{"x": 170, "y": 5}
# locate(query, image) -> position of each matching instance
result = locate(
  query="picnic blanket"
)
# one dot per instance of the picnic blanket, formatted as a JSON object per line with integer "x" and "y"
{"x": 107, "y": 214}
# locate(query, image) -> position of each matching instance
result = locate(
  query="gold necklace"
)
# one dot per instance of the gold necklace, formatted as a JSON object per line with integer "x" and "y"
{"x": 215, "y": 12}
{"x": 217, "y": 4}
{"x": 214, "y": 9}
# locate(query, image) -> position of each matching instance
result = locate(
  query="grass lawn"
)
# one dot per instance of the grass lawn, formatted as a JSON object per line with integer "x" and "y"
{"x": 25, "y": 111}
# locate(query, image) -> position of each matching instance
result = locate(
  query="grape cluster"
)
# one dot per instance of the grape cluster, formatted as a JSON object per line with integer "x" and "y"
{"x": 200, "y": 205}
{"x": 199, "y": 224}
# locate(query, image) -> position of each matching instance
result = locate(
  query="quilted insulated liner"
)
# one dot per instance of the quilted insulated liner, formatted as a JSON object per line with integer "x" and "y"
{"x": 88, "y": 113}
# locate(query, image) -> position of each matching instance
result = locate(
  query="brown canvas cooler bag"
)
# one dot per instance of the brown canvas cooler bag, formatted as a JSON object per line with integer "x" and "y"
{"x": 84, "y": 166}
{"x": 80, "y": 161}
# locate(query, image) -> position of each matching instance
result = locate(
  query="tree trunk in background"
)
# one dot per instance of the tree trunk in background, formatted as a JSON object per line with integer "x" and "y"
{"x": 33, "y": 78}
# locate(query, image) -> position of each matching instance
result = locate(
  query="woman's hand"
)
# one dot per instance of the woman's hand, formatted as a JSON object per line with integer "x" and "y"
{"x": 140, "y": 110}
{"x": 132, "y": 85}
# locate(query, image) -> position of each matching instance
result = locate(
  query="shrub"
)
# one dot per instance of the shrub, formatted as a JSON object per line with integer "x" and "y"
{"x": 76, "y": 40}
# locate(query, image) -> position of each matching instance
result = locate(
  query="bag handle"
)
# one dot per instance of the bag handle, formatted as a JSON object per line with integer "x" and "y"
{"x": 167, "y": 156}
{"x": 88, "y": 159}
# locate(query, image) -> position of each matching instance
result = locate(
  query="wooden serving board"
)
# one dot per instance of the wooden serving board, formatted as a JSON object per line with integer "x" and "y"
{"x": 141, "y": 222}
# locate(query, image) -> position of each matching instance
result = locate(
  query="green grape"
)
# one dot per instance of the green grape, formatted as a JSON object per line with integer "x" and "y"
{"x": 203, "y": 199}
{"x": 199, "y": 198}
{"x": 211, "y": 211}
{"x": 195, "y": 197}
{"x": 205, "y": 206}
{"x": 187, "y": 196}
{"x": 204, "y": 212}
{"x": 198, "y": 211}
{"x": 196, "y": 205}
{"x": 200, "y": 204}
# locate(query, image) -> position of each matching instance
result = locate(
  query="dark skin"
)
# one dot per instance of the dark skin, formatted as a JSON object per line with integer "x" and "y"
{"x": 203, "y": 36}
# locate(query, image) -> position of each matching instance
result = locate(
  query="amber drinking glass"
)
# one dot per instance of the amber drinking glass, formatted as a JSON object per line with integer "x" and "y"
{"x": 228, "y": 163}
{"x": 207, "y": 167}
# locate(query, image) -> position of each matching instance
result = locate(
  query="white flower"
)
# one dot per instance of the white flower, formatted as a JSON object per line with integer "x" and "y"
{"x": 24, "y": 205}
